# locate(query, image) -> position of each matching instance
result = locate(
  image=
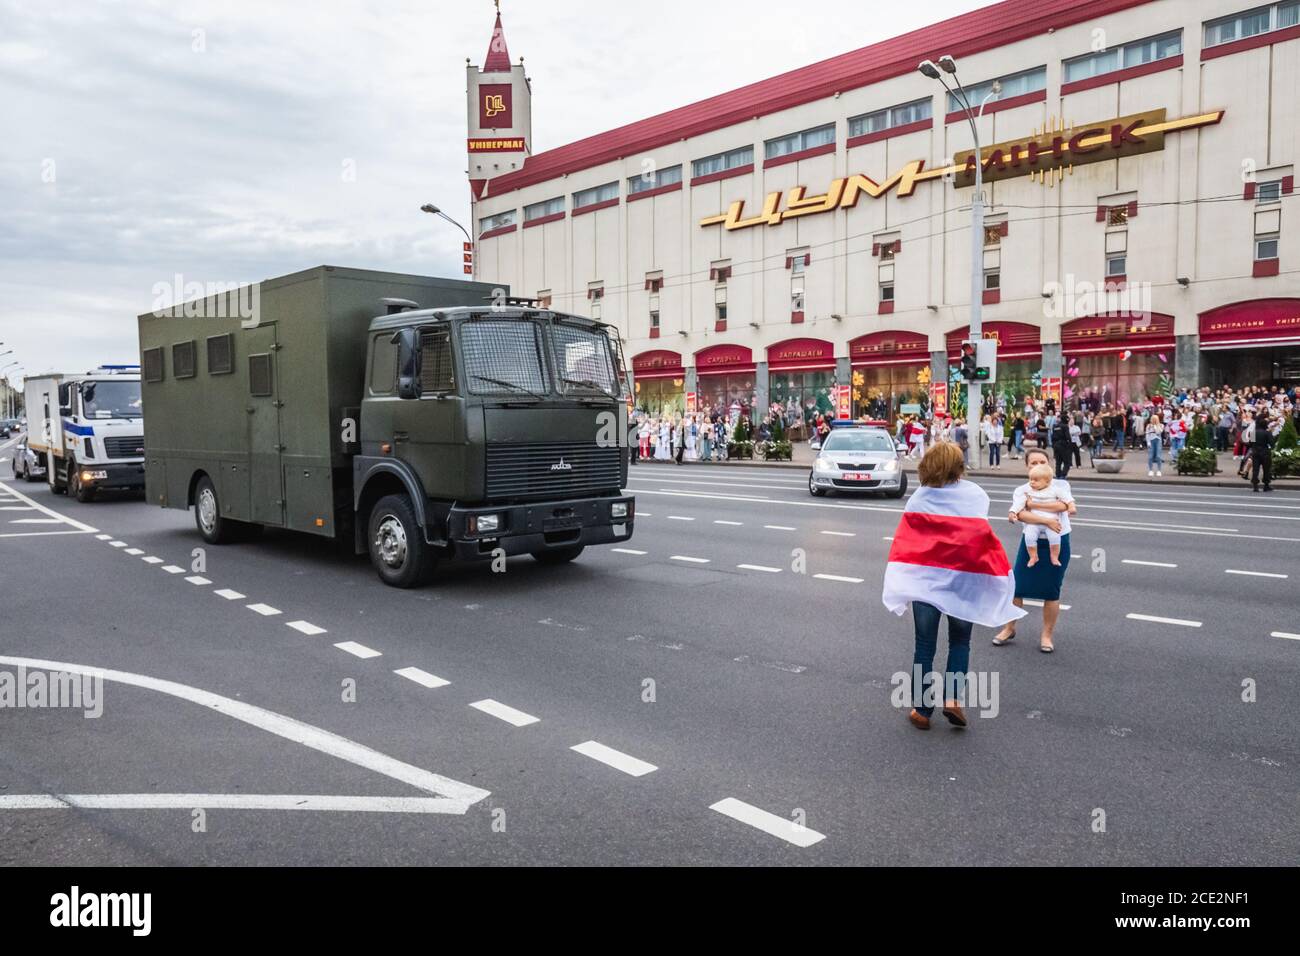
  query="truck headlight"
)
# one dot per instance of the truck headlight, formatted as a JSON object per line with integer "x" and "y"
{"x": 618, "y": 509}
{"x": 480, "y": 524}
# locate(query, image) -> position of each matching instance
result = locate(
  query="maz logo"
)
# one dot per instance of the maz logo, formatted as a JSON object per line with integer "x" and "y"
{"x": 561, "y": 465}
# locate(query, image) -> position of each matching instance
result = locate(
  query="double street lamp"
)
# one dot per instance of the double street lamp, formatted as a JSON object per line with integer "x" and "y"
{"x": 947, "y": 64}
{"x": 434, "y": 210}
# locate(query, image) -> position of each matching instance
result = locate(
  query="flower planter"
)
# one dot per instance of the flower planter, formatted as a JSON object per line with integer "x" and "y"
{"x": 1108, "y": 466}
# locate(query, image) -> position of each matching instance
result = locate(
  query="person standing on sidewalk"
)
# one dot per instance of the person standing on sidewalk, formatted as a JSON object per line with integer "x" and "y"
{"x": 994, "y": 437}
{"x": 1062, "y": 447}
{"x": 961, "y": 439}
{"x": 1224, "y": 429}
{"x": 1018, "y": 435}
{"x": 1155, "y": 437}
{"x": 1261, "y": 454}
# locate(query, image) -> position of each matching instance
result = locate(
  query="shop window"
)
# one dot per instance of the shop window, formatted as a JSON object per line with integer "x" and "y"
{"x": 720, "y": 317}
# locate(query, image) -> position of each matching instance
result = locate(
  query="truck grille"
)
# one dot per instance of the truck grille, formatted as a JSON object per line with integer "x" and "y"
{"x": 120, "y": 447}
{"x": 551, "y": 469}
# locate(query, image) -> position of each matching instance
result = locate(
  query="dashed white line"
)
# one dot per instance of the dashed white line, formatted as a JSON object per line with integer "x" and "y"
{"x": 133, "y": 551}
{"x": 679, "y": 518}
{"x": 173, "y": 569}
{"x": 103, "y": 537}
{"x": 841, "y": 534}
{"x": 117, "y": 544}
{"x": 1163, "y": 620}
{"x": 358, "y": 650}
{"x": 423, "y": 678}
{"x": 688, "y": 559}
{"x": 500, "y": 711}
{"x": 839, "y": 577}
{"x": 264, "y": 609}
{"x": 759, "y": 567}
{"x": 1150, "y": 564}
{"x": 769, "y": 823}
{"x": 229, "y": 595}
{"x": 150, "y": 559}
{"x": 778, "y": 527}
{"x": 306, "y": 627}
{"x": 1255, "y": 574}
{"x": 198, "y": 579}
{"x": 1287, "y": 635}
{"x": 37, "y": 521}
{"x": 632, "y": 766}
{"x": 734, "y": 524}
{"x": 626, "y": 551}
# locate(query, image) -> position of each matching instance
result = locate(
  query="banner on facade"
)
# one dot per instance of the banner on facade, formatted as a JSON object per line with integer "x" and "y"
{"x": 1051, "y": 389}
{"x": 938, "y": 395}
{"x": 691, "y": 408}
{"x": 843, "y": 401}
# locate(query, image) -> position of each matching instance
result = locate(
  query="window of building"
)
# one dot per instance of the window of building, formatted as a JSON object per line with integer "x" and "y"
{"x": 1116, "y": 264}
{"x": 720, "y": 317}
{"x": 1269, "y": 192}
{"x": 506, "y": 218}
{"x": 1122, "y": 57}
{"x": 886, "y": 292}
{"x": 1017, "y": 84}
{"x": 882, "y": 120}
{"x": 798, "y": 142}
{"x": 653, "y": 179}
{"x": 721, "y": 162}
{"x": 887, "y": 252}
{"x": 993, "y": 234}
{"x": 1240, "y": 26}
{"x": 992, "y": 280}
{"x": 597, "y": 194}
{"x": 1265, "y": 247}
{"x": 540, "y": 210}
{"x": 720, "y": 272}
{"x": 1117, "y": 216}
{"x": 654, "y": 282}
{"x": 654, "y": 320}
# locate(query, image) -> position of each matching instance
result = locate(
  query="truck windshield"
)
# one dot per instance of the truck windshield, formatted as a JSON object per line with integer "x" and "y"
{"x": 504, "y": 355}
{"x": 584, "y": 359}
{"x": 111, "y": 400}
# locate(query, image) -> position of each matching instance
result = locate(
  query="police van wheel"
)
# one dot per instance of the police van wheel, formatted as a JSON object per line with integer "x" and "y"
{"x": 207, "y": 514}
{"x": 559, "y": 555}
{"x": 398, "y": 551}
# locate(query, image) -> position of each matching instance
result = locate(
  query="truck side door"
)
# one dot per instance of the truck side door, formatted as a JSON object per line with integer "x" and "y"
{"x": 429, "y": 433}
{"x": 264, "y": 448}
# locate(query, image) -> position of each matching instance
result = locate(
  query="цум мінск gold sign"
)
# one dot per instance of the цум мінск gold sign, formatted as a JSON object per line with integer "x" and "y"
{"x": 1050, "y": 151}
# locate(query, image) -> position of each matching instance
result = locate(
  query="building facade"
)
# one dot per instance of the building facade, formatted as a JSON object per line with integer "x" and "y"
{"x": 812, "y": 229}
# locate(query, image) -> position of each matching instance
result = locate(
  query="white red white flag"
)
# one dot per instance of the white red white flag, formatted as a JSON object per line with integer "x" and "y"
{"x": 946, "y": 554}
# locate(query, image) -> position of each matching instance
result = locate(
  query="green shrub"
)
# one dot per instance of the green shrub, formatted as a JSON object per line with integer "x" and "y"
{"x": 1197, "y": 461}
{"x": 774, "y": 450}
{"x": 1288, "y": 438}
{"x": 740, "y": 449}
{"x": 1286, "y": 463}
{"x": 1200, "y": 437}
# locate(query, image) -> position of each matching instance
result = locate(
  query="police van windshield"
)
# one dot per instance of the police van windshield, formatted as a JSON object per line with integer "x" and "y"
{"x": 111, "y": 400}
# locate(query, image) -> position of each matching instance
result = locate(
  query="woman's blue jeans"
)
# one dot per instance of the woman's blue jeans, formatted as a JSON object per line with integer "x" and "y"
{"x": 1154, "y": 449}
{"x": 925, "y": 617}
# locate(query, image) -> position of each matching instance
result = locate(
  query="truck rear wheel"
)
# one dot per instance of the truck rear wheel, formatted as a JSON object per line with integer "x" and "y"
{"x": 398, "y": 551}
{"x": 559, "y": 555}
{"x": 207, "y": 514}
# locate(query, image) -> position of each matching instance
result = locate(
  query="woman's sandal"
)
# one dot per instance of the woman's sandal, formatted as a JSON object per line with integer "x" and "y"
{"x": 1003, "y": 641}
{"x": 1045, "y": 648}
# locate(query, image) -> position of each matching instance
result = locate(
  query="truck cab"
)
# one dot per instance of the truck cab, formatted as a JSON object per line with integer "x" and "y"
{"x": 486, "y": 432}
{"x": 89, "y": 434}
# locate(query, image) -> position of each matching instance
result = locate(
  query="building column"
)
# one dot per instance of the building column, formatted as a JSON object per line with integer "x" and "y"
{"x": 690, "y": 384}
{"x": 939, "y": 365}
{"x": 1187, "y": 361}
{"x": 1052, "y": 363}
{"x": 761, "y": 399}
{"x": 843, "y": 376}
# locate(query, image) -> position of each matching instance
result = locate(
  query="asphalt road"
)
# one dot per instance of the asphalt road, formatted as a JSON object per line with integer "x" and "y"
{"x": 726, "y": 678}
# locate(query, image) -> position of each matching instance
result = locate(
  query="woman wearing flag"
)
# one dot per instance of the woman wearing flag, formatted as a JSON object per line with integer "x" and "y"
{"x": 1043, "y": 581}
{"x": 945, "y": 559}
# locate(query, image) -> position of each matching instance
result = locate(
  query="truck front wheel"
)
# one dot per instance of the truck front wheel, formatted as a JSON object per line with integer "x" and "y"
{"x": 207, "y": 514}
{"x": 398, "y": 550}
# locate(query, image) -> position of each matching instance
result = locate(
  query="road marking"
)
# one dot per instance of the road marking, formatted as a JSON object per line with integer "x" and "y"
{"x": 48, "y": 511}
{"x": 20, "y": 507}
{"x": 198, "y": 579}
{"x": 133, "y": 551}
{"x": 769, "y": 823}
{"x": 841, "y": 534}
{"x": 230, "y": 801}
{"x": 229, "y": 595}
{"x": 117, "y": 544}
{"x": 46, "y": 521}
{"x": 1255, "y": 574}
{"x": 1150, "y": 564}
{"x": 303, "y": 627}
{"x": 679, "y": 518}
{"x": 150, "y": 559}
{"x": 1034, "y": 602}
{"x": 1285, "y": 634}
{"x": 759, "y": 567}
{"x": 499, "y": 710}
{"x": 778, "y": 527}
{"x": 630, "y": 765}
{"x": 173, "y": 569}
{"x": 295, "y": 730}
{"x": 358, "y": 650}
{"x": 839, "y": 577}
{"x": 1163, "y": 620}
{"x": 888, "y": 537}
{"x": 263, "y": 609}
{"x": 423, "y": 678}
{"x": 734, "y": 524}
{"x": 627, "y": 551}
{"x": 644, "y": 514}
{"x": 37, "y": 534}
{"x": 683, "y": 557}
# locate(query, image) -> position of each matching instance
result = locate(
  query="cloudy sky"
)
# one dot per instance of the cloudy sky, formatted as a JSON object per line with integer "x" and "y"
{"x": 232, "y": 141}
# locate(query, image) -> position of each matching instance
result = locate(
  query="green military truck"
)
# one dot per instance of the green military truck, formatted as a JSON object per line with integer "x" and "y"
{"x": 417, "y": 418}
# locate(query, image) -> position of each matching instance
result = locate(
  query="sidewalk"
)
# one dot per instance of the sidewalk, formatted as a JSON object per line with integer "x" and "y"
{"x": 1133, "y": 472}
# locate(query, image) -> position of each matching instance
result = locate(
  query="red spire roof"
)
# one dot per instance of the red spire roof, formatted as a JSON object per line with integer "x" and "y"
{"x": 498, "y": 57}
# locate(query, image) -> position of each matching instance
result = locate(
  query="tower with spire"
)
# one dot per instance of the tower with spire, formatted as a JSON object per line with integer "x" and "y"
{"x": 500, "y": 117}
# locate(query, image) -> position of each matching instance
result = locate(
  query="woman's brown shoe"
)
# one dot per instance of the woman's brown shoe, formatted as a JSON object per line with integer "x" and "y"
{"x": 956, "y": 716}
{"x": 919, "y": 720}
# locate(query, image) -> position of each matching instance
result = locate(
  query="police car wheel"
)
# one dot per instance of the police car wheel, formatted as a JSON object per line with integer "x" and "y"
{"x": 813, "y": 489}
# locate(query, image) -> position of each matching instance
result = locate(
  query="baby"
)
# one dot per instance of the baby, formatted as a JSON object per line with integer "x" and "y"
{"x": 1040, "y": 491}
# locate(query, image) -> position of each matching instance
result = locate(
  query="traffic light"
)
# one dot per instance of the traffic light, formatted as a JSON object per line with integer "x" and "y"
{"x": 968, "y": 369}
{"x": 977, "y": 360}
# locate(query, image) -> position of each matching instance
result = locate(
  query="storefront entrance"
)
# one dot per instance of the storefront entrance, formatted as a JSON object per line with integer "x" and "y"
{"x": 659, "y": 383}
{"x": 801, "y": 376}
{"x": 1020, "y": 363}
{"x": 724, "y": 376}
{"x": 890, "y": 370}
{"x": 1117, "y": 360}
{"x": 1251, "y": 343}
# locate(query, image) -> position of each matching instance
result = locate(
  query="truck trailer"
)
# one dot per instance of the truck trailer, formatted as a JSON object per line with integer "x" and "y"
{"x": 86, "y": 429}
{"x": 416, "y": 419}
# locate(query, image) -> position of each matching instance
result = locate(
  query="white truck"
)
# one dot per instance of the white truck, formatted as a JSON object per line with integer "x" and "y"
{"x": 87, "y": 430}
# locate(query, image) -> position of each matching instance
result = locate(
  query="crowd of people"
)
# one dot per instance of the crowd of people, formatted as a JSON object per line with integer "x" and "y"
{"x": 705, "y": 435}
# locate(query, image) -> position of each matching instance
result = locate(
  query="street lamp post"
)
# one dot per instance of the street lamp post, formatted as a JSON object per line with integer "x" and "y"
{"x": 434, "y": 210}
{"x": 974, "y": 401}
